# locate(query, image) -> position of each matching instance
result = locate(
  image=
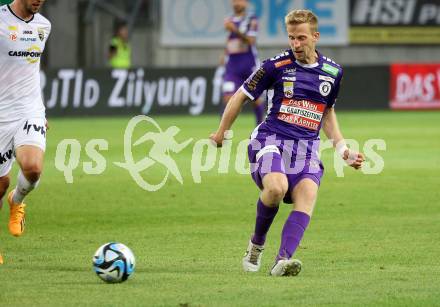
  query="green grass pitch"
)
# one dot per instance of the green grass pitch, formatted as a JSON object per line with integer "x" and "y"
{"x": 373, "y": 239}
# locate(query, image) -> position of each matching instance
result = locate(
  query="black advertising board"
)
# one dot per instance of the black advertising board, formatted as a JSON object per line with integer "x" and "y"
{"x": 186, "y": 91}
{"x": 394, "y": 22}
{"x": 77, "y": 92}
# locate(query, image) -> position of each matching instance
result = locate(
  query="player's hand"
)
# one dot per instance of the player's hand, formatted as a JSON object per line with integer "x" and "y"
{"x": 354, "y": 159}
{"x": 216, "y": 139}
{"x": 230, "y": 26}
{"x": 47, "y": 125}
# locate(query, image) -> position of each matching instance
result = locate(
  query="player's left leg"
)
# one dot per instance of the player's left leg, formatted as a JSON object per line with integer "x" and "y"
{"x": 4, "y": 185}
{"x": 6, "y": 157}
{"x": 304, "y": 195}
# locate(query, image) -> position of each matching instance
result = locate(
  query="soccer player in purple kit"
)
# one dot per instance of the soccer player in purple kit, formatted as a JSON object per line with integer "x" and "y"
{"x": 240, "y": 53}
{"x": 302, "y": 89}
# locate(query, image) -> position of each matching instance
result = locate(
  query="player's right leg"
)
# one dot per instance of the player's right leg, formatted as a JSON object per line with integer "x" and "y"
{"x": 30, "y": 159}
{"x": 274, "y": 188}
{"x": 30, "y": 144}
{"x": 270, "y": 177}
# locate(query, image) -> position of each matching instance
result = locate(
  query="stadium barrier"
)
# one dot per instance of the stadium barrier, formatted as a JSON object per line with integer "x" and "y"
{"x": 193, "y": 91}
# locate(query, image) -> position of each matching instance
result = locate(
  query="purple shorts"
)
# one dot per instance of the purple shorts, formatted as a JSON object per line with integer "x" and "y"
{"x": 231, "y": 83}
{"x": 297, "y": 159}
{"x": 237, "y": 70}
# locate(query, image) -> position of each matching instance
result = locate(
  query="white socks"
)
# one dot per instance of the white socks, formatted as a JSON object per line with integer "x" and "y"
{"x": 23, "y": 188}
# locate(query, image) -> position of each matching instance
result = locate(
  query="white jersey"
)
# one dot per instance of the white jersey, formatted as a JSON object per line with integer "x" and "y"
{"x": 21, "y": 45}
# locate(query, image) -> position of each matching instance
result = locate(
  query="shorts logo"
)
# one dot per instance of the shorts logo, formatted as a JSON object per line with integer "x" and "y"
{"x": 5, "y": 156}
{"x": 325, "y": 88}
{"x": 267, "y": 149}
{"x": 288, "y": 89}
{"x": 36, "y": 128}
{"x": 314, "y": 164}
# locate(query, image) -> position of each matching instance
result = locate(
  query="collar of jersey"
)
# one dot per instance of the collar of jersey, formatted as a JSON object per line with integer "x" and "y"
{"x": 12, "y": 12}
{"x": 316, "y": 64}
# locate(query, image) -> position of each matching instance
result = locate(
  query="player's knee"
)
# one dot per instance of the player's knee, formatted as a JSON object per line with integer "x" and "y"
{"x": 4, "y": 185}
{"x": 275, "y": 187}
{"x": 32, "y": 171}
{"x": 276, "y": 192}
{"x": 309, "y": 195}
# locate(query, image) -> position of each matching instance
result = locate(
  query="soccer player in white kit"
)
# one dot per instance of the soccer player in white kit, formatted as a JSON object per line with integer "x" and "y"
{"x": 23, "y": 35}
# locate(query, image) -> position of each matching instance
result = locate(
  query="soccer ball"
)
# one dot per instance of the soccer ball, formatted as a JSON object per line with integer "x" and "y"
{"x": 113, "y": 262}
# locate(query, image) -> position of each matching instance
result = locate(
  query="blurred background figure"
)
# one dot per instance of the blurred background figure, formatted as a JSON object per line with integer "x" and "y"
{"x": 120, "y": 49}
{"x": 240, "y": 58}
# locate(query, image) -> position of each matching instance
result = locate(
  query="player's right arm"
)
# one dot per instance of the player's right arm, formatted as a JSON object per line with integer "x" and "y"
{"x": 233, "y": 108}
{"x": 259, "y": 81}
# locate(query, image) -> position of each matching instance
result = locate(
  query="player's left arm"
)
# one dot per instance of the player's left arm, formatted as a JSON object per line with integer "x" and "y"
{"x": 331, "y": 129}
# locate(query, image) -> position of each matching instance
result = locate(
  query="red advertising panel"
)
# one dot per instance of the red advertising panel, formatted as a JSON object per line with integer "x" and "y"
{"x": 415, "y": 86}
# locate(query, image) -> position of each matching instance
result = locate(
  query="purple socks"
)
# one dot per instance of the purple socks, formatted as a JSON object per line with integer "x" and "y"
{"x": 292, "y": 233}
{"x": 265, "y": 216}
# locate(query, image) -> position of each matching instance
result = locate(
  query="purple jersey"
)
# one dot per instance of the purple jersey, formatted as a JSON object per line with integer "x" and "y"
{"x": 298, "y": 94}
{"x": 240, "y": 56}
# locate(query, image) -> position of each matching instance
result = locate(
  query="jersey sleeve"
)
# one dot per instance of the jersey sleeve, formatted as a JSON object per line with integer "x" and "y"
{"x": 49, "y": 29}
{"x": 46, "y": 26}
{"x": 334, "y": 95}
{"x": 253, "y": 27}
{"x": 259, "y": 81}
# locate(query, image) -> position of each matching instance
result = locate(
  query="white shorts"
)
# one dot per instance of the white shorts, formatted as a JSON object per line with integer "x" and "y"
{"x": 30, "y": 131}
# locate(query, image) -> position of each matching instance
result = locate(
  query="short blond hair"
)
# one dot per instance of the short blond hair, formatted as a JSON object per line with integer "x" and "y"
{"x": 297, "y": 17}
